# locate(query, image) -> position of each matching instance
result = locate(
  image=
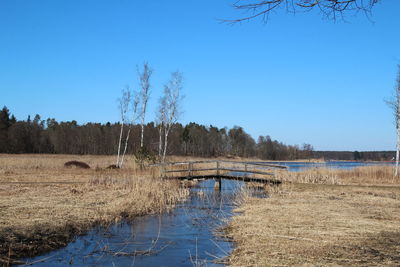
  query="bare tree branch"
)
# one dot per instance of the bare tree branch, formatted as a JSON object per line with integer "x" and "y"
{"x": 144, "y": 77}
{"x": 124, "y": 108}
{"x": 329, "y": 8}
{"x": 135, "y": 116}
{"x": 169, "y": 110}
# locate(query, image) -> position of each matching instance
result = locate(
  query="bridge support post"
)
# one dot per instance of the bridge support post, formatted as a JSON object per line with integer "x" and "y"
{"x": 190, "y": 169}
{"x": 218, "y": 184}
{"x": 245, "y": 169}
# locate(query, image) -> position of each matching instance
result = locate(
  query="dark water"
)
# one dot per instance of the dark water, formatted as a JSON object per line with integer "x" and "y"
{"x": 187, "y": 236}
{"x": 299, "y": 166}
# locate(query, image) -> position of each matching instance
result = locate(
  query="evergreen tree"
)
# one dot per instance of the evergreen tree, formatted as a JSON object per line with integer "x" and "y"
{"x": 5, "y": 123}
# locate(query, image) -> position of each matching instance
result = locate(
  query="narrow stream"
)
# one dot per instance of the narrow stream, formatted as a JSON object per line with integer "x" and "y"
{"x": 187, "y": 236}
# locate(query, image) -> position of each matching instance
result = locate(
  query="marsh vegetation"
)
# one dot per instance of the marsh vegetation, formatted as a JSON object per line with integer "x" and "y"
{"x": 317, "y": 216}
{"x": 44, "y": 205}
{"x": 322, "y": 217}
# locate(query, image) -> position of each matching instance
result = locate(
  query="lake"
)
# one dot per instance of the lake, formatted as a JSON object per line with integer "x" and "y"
{"x": 299, "y": 166}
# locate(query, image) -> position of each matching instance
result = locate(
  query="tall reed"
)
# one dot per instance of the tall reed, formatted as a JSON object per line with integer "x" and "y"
{"x": 361, "y": 175}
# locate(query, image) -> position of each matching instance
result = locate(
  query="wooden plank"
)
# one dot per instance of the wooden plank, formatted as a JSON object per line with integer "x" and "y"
{"x": 244, "y": 171}
{"x": 221, "y": 169}
{"x": 269, "y": 165}
{"x": 228, "y": 177}
{"x": 180, "y": 163}
{"x": 221, "y": 161}
{"x": 193, "y": 170}
{"x": 255, "y": 163}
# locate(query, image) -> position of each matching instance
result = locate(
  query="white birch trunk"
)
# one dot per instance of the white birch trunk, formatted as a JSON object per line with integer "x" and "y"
{"x": 165, "y": 144}
{"x": 160, "y": 141}
{"x": 126, "y": 145}
{"x": 119, "y": 143}
{"x": 397, "y": 117}
{"x": 142, "y": 133}
{"x": 396, "y": 171}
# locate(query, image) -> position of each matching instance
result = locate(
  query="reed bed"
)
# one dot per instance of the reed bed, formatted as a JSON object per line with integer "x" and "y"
{"x": 321, "y": 217}
{"x": 44, "y": 205}
{"x": 372, "y": 175}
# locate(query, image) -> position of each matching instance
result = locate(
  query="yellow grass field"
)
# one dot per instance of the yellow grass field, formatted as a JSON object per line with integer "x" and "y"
{"x": 317, "y": 217}
{"x": 321, "y": 217}
{"x": 43, "y": 204}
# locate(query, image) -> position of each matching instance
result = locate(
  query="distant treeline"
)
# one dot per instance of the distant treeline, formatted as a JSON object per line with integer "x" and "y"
{"x": 355, "y": 155}
{"x": 49, "y": 136}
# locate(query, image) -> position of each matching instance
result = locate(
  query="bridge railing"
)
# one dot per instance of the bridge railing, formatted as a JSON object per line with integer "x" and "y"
{"x": 218, "y": 168}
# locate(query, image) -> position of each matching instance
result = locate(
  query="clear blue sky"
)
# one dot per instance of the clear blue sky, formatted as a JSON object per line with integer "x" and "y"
{"x": 299, "y": 79}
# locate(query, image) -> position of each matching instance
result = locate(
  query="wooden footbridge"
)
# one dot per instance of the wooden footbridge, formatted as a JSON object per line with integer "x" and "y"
{"x": 219, "y": 169}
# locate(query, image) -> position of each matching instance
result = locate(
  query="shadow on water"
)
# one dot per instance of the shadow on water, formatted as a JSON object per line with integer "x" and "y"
{"x": 187, "y": 236}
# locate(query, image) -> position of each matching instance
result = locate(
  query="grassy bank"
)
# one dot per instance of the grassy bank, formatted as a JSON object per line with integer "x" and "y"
{"x": 44, "y": 205}
{"x": 368, "y": 175}
{"x": 322, "y": 217}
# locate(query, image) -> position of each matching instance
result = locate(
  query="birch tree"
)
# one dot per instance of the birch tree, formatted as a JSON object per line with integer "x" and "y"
{"x": 170, "y": 105}
{"x": 394, "y": 104}
{"x": 134, "y": 117}
{"x": 144, "y": 77}
{"x": 123, "y": 108}
{"x": 160, "y": 120}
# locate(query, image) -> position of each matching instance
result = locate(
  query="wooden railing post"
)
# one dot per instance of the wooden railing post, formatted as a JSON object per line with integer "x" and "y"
{"x": 190, "y": 169}
{"x": 249, "y": 169}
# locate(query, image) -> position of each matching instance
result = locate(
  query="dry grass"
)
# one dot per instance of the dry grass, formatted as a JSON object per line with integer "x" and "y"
{"x": 371, "y": 175}
{"x": 351, "y": 221}
{"x": 40, "y": 210}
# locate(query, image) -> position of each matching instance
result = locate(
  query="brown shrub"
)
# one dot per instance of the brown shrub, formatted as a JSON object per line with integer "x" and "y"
{"x": 112, "y": 167}
{"x": 77, "y": 164}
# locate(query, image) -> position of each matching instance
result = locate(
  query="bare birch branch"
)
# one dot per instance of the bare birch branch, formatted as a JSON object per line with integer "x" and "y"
{"x": 170, "y": 106}
{"x": 134, "y": 118}
{"x": 124, "y": 108}
{"x": 144, "y": 94}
